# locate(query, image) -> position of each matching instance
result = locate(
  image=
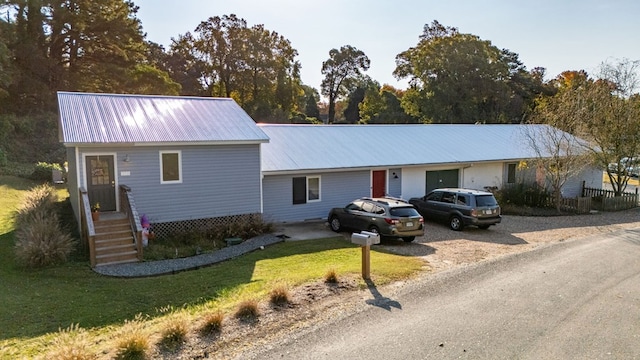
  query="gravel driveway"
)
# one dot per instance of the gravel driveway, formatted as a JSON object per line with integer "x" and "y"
{"x": 444, "y": 248}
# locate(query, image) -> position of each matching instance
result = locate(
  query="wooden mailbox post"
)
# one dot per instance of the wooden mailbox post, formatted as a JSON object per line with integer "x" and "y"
{"x": 365, "y": 239}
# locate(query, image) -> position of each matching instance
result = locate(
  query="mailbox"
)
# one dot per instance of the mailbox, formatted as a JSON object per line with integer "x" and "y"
{"x": 365, "y": 238}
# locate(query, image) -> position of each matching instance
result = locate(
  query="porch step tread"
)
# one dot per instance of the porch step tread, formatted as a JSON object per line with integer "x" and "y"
{"x": 114, "y": 234}
{"x": 115, "y": 262}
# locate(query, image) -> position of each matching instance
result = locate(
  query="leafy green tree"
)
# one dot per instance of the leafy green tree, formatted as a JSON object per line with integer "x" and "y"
{"x": 309, "y": 102}
{"x": 356, "y": 96}
{"x": 254, "y": 66}
{"x": 383, "y": 106}
{"x": 6, "y": 65}
{"x": 341, "y": 72}
{"x": 459, "y": 78}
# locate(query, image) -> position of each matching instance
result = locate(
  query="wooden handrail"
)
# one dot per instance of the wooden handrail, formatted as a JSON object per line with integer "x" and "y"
{"x": 87, "y": 229}
{"x": 128, "y": 206}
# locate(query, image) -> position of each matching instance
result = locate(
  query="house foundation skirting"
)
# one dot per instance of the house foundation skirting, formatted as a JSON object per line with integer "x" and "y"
{"x": 166, "y": 229}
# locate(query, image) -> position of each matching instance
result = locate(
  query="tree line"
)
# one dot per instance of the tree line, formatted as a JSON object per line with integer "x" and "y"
{"x": 99, "y": 46}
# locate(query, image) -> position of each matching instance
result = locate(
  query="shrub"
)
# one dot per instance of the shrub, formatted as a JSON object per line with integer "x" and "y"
{"x": 212, "y": 322}
{"x": 279, "y": 295}
{"x": 133, "y": 342}
{"x": 43, "y": 171}
{"x": 175, "y": 331}
{"x": 521, "y": 194}
{"x": 247, "y": 310}
{"x": 331, "y": 277}
{"x": 40, "y": 242}
{"x": 71, "y": 343}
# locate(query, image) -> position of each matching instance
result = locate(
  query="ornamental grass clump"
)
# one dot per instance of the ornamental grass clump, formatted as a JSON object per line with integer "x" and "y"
{"x": 212, "y": 323}
{"x": 38, "y": 200}
{"x": 40, "y": 241}
{"x": 174, "y": 331}
{"x": 279, "y": 295}
{"x": 133, "y": 341}
{"x": 71, "y": 343}
{"x": 247, "y": 311}
{"x": 331, "y": 277}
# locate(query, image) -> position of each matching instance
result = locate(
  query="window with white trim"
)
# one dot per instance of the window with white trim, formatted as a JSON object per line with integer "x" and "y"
{"x": 306, "y": 189}
{"x": 171, "y": 167}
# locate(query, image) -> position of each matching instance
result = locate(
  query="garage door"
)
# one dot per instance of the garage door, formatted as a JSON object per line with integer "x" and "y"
{"x": 441, "y": 179}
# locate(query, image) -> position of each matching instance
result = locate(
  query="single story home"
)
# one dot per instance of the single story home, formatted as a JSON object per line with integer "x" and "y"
{"x": 308, "y": 169}
{"x": 187, "y": 160}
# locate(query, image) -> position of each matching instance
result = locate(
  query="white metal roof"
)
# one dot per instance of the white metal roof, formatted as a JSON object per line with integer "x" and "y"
{"x": 87, "y": 118}
{"x": 321, "y": 147}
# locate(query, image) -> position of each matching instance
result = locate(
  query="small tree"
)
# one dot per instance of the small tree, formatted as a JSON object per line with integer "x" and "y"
{"x": 559, "y": 154}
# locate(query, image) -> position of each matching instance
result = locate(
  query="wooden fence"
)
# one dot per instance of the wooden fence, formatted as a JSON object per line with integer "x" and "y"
{"x": 606, "y": 200}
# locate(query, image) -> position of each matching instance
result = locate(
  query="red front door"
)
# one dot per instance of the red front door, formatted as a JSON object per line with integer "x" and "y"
{"x": 379, "y": 182}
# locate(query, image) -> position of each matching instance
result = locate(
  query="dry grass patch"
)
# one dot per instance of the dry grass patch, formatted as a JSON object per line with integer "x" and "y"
{"x": 174, "y": 331}
{"x": 71, "y": 343}
{"x": 247, "y": 311}
{"x": 279, "y": 295}
{"x": 212, "y": 323}
{"x": 133, "y": 340}
{"x": 331, "y": 277}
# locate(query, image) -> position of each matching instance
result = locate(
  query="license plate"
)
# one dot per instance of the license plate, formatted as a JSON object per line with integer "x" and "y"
{"x": 409, "y": 224}
{"x": 488, "y": 212}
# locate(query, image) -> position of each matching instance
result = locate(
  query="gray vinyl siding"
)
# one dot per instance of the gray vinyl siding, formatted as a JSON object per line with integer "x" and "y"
{"x": 337, "y": 190}
{"x": 217, "y": 180}
{"x": 72, "y": 182}
{"x": 395, "y": 185}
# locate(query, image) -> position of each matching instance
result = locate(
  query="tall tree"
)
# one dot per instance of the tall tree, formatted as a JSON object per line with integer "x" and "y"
{"x": 610, "y": 113}
{"x": 383, "y": 106}
{"x": 254, "y": 66}
{"x": 459, "y": 78}
{"x": 560, "y": 154}
{"x": 340, "y": 73}
{"x": 78, "y": 45}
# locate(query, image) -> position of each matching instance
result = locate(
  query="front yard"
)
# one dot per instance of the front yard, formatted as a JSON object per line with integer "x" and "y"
{"x": 38, "y": 302}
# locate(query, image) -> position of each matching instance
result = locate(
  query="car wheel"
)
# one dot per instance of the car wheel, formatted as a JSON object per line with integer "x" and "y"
{"x": 408, "y": 238}
{"x": 483, "y": 227}
{"x": 374, "y": 230}
{"x": 455, "y": 223}
{"x": 335, "y": 224}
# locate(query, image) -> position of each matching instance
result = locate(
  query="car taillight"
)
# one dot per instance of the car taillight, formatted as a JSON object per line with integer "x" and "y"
{"x": 391, "y": 221}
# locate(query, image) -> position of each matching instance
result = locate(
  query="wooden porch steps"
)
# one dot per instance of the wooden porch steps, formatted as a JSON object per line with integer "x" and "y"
{"x": 114, "y": 242}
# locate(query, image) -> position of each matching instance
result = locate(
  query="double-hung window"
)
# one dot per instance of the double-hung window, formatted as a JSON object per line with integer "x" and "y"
{"x": 306, "y": 189}
{"x": 171, "y": 167}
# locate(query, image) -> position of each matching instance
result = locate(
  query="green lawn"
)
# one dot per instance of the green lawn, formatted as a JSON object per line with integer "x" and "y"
{"x": 38, "y": 302}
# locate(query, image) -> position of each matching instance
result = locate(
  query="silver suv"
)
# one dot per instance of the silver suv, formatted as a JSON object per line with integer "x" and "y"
{"x": 459, "y": 207}
{"x": 389, "y": 217}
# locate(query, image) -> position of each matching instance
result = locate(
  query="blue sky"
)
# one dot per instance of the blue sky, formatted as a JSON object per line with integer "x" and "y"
{"x": 556, "y": 34}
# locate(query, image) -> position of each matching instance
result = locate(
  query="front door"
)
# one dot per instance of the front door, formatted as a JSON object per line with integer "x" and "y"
{"x": 379, "y": 183}
{"x": 101, "y": 184}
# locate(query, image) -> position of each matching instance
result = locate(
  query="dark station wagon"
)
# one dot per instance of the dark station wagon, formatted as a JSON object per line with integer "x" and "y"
{"x": 459, "y": 207}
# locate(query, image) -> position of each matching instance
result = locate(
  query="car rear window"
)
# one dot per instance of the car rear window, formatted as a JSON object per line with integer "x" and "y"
{"x": 486, "y": 200}
{"x": 404, "y": 211}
